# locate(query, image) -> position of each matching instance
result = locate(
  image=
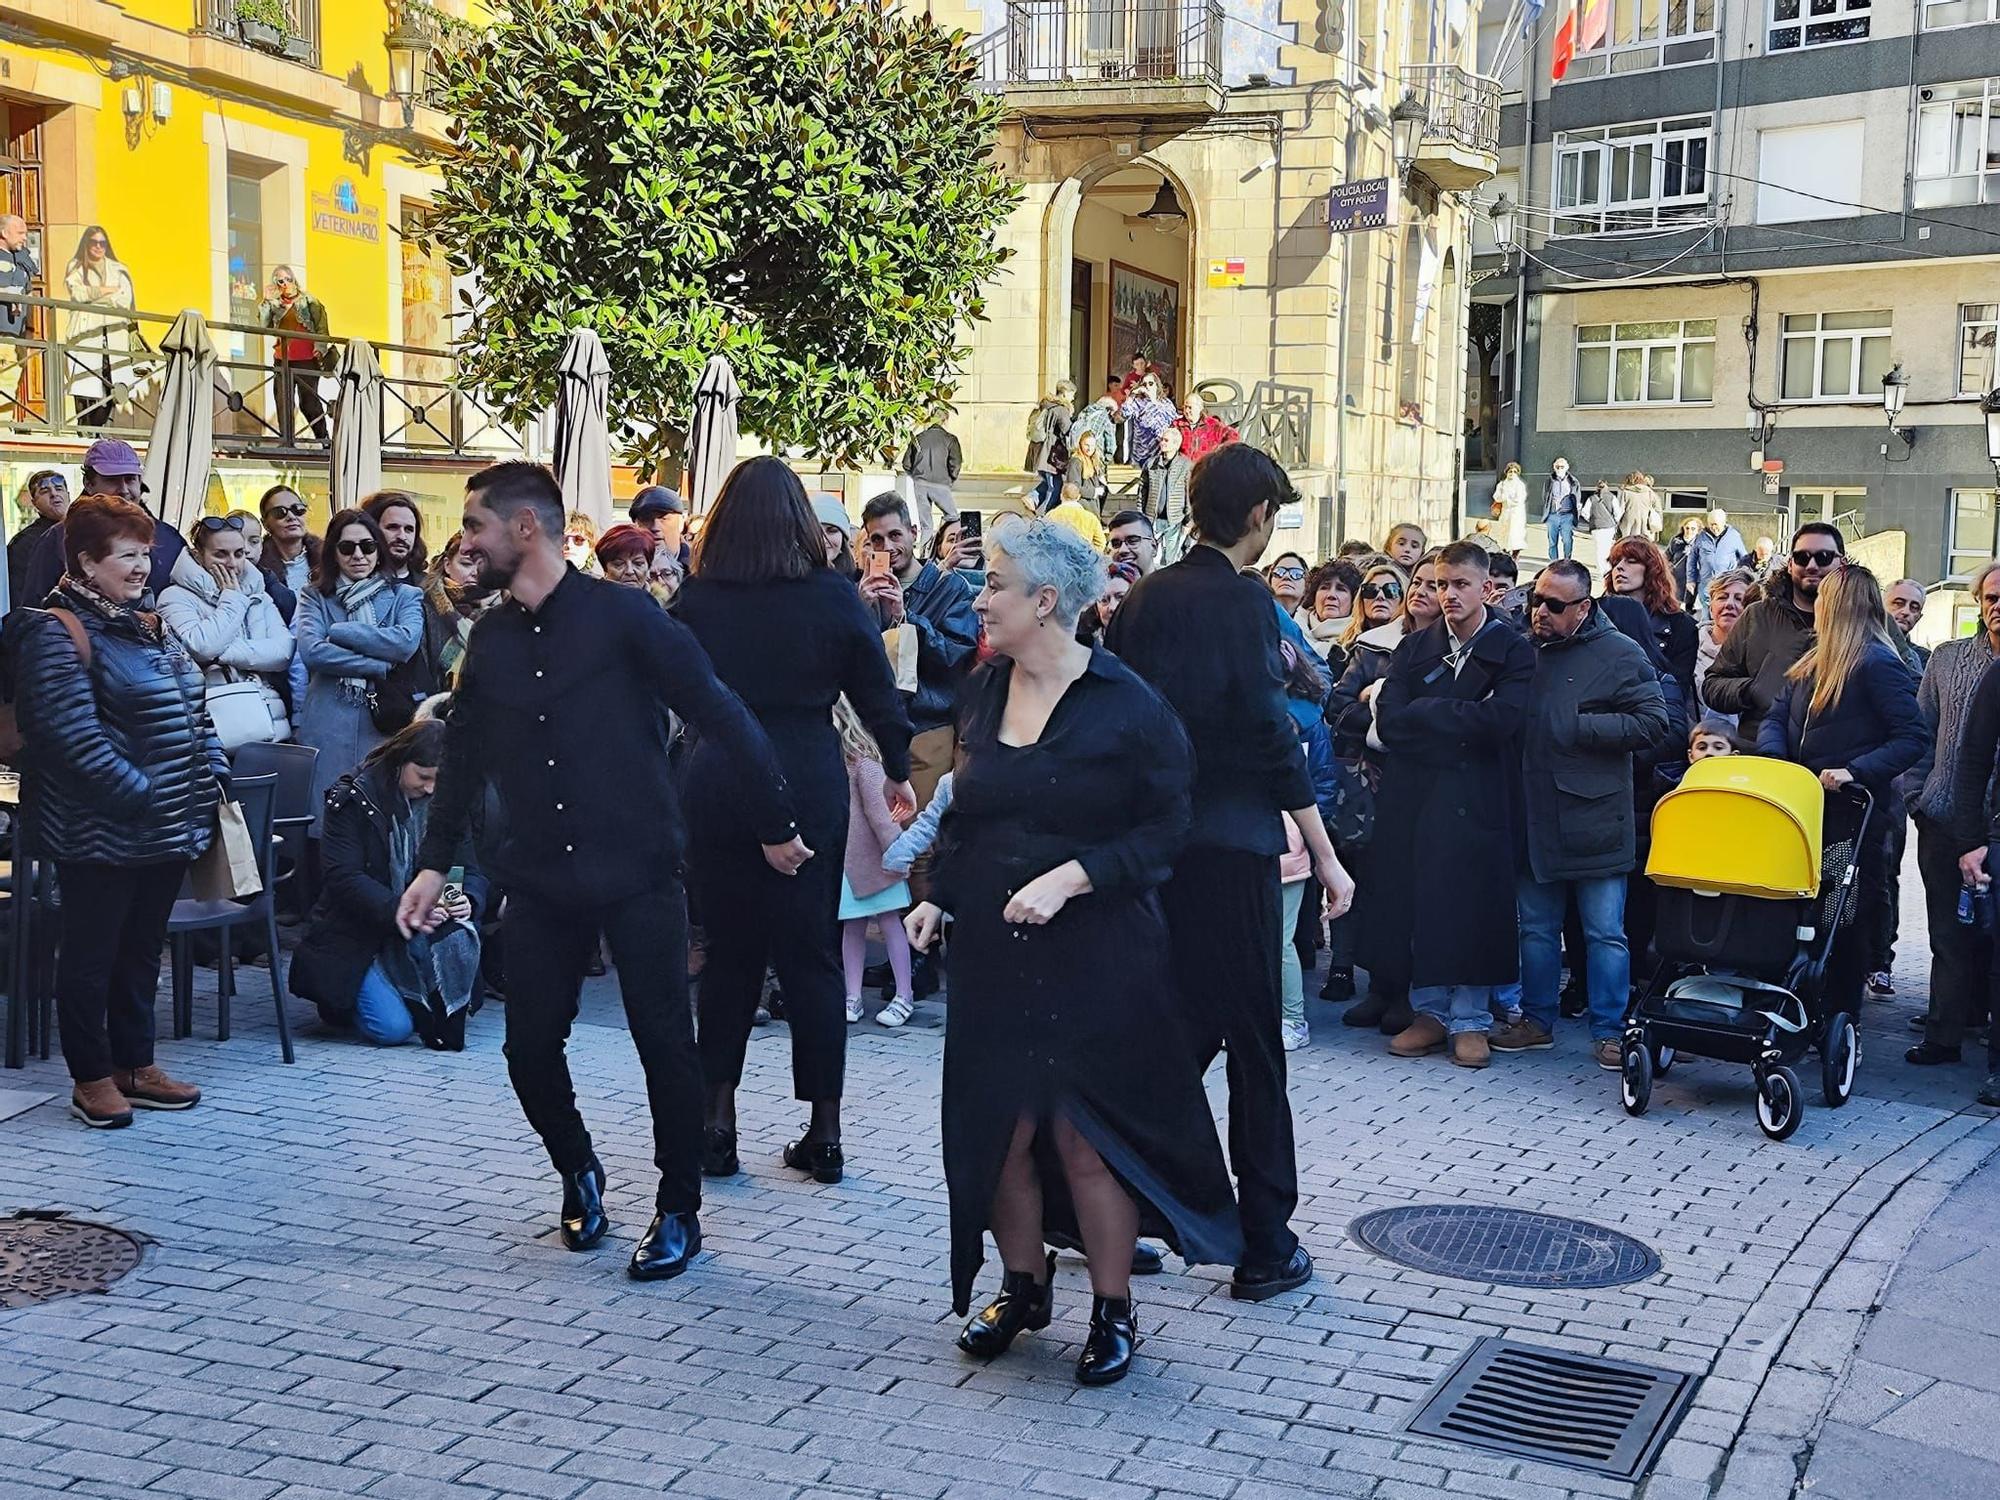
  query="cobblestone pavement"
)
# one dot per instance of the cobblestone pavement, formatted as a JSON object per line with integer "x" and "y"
{"x": 353, "y": 1286}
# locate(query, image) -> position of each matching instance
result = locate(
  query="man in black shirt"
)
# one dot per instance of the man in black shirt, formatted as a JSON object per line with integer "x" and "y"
{"x": 48, "y": 492}
{"x": 1206, "y": 638}
{"x": 561, "y": 707}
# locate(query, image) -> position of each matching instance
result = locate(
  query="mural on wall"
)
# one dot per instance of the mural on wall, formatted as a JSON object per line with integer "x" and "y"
{"x": 1145, "y": 319}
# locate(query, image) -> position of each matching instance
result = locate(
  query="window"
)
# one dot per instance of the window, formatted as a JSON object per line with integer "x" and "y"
{"x": 1835, "y": 356}
{"x": 1974, "y": 539}
{"x": 1646, "y": 364}
{"x": 1842, "y": 508}
{"x": 1941, "y": 13}
{"x": 246, "y": 243}
{"x": 1641, "y": 34}
{"x": 1798, "y": 171}
{"x": 1817, "y": 23}
{"x": 1632, "y": 176}
{"x": 1978, "y": 327}
{"x": 1958, "y": 144}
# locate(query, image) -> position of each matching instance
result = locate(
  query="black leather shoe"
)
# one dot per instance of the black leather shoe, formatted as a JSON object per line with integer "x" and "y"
{"x": 1107, "y": 1352}
{"x": 924, "y": 977}
{"x": 1369, "y": 1012}
{"x": 822, "y": 1159}
{"x": 1927, "y": 1055}
{"x": 1146, "y": 1261}
{"x": 1022, "y": 1307}
{"x": 583, "y": 1220}
{"x": 1339, "y": 985}
{"x": 1989, "y": 1091}
{"x": 672, "y": 1242}
{"x": 1257, "y": 1283}
{"x": 718, "y": 1152}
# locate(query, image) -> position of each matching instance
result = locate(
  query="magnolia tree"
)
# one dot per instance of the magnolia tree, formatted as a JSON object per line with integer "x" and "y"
{"x": 805, "y": 186}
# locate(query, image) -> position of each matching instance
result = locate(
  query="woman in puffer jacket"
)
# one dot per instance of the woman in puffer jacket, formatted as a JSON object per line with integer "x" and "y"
{"x": 123, "y": 778}
{"x": 219, "y": 609}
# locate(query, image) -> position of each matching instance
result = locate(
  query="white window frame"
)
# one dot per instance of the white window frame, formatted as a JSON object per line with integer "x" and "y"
{"x": 1665, "y": 48}
{"x": 1793, "y": 32}
{"x": 1968, "y": 324}
{"x": 1992, "y": 14}
{"x": 1579, "y": 154}
{"x": 1984, "y": 178}
{"x": 1981, "y": 551}
{"x": 1819, "y": 336}
{"x": 1680, "y": 343}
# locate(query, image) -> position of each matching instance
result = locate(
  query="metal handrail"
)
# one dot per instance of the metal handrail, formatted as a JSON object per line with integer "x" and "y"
{"x": 300, "y": 43}
{"x": 1104, "y": 41}
{"x": 1461, "y": 108}
{"x": 1275, "y": 417}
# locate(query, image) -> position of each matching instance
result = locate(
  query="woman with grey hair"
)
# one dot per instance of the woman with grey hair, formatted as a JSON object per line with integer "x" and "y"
{"x": 1071, "y": 800}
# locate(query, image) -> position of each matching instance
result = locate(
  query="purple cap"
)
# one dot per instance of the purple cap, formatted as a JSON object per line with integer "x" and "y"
{"x": 109, "y": 456}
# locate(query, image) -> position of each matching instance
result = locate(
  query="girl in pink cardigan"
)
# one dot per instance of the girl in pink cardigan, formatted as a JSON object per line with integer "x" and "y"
{"x": 867, "y": 890}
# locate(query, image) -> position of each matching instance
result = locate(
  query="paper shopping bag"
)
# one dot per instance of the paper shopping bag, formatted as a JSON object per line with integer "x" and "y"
{"x": 228, "y": 871}
{"x": 900, "y": 641}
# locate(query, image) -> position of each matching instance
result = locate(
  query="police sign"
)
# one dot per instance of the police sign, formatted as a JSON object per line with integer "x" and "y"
{"x": 1365, "y": 204}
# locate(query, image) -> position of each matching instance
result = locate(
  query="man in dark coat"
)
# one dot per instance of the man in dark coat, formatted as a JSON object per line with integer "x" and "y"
{"x": 1773, "y": 633}
{"x": 1437, "y": 911}
{"x": 1596, "y": 701}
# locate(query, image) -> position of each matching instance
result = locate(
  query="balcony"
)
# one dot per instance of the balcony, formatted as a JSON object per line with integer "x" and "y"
{"x": 1460, "y": 148}
{"x": 1079, "y": 59}
{"x": 283, "y": 28}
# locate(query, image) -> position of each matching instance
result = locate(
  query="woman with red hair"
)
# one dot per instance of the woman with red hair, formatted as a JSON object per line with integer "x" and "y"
{"x": 1638, "y": 570}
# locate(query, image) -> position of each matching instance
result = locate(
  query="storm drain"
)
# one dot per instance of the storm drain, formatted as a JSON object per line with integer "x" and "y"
{"x": 1598, "y": 1414}
{"x": 1506, "y": 1246}
{"x": 46, "y": 1256}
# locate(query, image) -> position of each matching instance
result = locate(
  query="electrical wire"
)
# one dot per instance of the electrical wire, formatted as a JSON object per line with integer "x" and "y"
{"x": 1555, "y": 270}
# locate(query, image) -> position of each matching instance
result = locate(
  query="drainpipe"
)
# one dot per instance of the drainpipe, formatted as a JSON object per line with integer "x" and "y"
{"x": 1346, "y": 281}
{"x": 1521, "y": 219}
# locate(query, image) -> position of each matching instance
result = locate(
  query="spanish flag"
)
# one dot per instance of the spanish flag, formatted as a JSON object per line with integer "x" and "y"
{"x": 1582, "y": 28}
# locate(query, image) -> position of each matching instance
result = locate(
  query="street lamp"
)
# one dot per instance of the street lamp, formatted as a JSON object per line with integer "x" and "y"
{"x": 1406, "y": 128}
{"x": 1990, "y": 406}
{"x": 1895, "y": 391}
{"x": 409, "y": 41}
{"x": 1502, "y": 215}
{"x": 1166, "y": 214}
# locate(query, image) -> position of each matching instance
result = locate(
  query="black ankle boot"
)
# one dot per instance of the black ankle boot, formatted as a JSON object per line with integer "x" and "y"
{"x": 1369, "y": 1012}
{"x": 1022, "y": 1307}
{"x": 1339, "y": 984}
{"x": 1107, "y": 1353}
{"x": 583, "y": 1218}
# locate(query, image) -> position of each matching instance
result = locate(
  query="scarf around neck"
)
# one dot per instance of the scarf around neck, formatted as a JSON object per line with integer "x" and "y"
{"x": 110, "y": 609}
{"x": 354, "y": 595}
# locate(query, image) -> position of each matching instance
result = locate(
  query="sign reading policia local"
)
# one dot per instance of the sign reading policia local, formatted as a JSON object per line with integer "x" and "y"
{"x": 342, "y": 214}
{"x": 1359, "y": 205}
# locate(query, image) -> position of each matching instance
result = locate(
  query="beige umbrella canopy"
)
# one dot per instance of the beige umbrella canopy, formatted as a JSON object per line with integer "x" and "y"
{"x": 177, "y": 457}
{"x": 712, "y": 433}
{"x": 583, "y": 439}
{"x": 357, "y": 426}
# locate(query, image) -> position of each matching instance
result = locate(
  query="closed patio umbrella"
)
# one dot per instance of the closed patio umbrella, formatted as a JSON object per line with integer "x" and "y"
{"x": 183, "y": 441}
{"x": 583, "y": 438}
{"x": 357, "y": 426}
{"x": 712, "y": 433}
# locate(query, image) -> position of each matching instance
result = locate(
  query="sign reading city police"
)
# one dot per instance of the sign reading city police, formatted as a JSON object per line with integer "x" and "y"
{"x": 1358, "y": 205}
{"x": 342, "y": 213}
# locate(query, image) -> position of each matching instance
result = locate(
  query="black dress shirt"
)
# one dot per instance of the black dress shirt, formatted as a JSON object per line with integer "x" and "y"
{"x": 1206, "y": 638}
{"x": 564, "y": 711}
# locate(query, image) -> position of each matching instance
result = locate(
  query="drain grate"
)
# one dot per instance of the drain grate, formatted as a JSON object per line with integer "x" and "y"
{"x": 45, "y": 1256}
{"x": 1583, "y": 1413}
{"x": 1505, "y": 1246}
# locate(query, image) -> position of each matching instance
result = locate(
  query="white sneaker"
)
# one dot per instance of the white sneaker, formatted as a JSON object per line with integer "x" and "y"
{"x": 896, "y": 1012}
{"x": 853, "y": 1009}
{"x": 1294, "y": 1034}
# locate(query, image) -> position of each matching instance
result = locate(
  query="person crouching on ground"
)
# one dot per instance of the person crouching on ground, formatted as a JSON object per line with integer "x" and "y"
{"x": 353, "y": 963}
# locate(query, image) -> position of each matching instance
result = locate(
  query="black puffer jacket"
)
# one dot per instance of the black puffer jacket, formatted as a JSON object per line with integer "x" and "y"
{"x": 122, "y": 764}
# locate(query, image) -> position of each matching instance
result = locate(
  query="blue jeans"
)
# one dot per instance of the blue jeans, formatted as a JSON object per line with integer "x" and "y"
{"x": 1462, "y": 1007}
{"x": 1048, "y": 490}
{"x": 380, "y": 1016}
{"x": 1607, "y": 961}
{"x": 1562, "y": 536}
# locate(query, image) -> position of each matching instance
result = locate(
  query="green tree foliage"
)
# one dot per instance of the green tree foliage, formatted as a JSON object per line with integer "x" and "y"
{"x": 806, "y": 186}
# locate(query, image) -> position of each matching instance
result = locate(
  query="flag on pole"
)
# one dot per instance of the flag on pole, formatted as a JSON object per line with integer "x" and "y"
{"x": 1565, "y": 47}
{"x": 1531, "y": 14}
{"x": 1596, "y": 14}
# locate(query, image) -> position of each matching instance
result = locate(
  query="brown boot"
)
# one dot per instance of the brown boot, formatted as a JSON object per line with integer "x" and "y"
{"x": 100, "y": 1105}
{"x": 1424, "y": 1035}
{"x": 150, "y": 1088}
{"x": 1470, "y": 1049}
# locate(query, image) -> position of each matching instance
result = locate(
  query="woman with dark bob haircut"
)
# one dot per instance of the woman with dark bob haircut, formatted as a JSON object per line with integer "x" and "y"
{"x": 122, "y": 778}
{"x": 789, "y": 636}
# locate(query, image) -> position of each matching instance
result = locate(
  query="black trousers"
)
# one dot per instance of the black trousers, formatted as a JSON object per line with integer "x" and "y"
{"x": 304, "y": 383}
{"x": 1854, "y": 944}
{"x": 1960, "y": 956}
{"x": 1888, "y": 916}
{"x": 114, "y": 922}
{"x": 548, "y": 944}
{"x": 758, "y": 918}
{"x": 1223, "y": 907}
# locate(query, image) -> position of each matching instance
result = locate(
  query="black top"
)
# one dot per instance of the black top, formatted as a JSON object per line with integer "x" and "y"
{"x": 563, "y": 710}
{"x": 20, "y": 550}
{"x": 1206, "y": 638}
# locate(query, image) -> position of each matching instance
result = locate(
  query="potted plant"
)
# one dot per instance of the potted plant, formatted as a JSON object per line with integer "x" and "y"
{"x": 297, "y": 48}
{"x": 262, "y": 23}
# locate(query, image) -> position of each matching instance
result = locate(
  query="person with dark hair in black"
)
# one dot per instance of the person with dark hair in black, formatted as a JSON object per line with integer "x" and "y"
{"x": 788, "y": 636}
{"x": 1206, "y": 638}
{"x": 561, "y": 706}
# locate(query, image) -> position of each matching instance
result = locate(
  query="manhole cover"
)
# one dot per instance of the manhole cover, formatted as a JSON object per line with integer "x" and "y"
{"x": 42, "y": 1259}
{"x": 1504, "y": 1245}
{"x": 1584, "y": 1413}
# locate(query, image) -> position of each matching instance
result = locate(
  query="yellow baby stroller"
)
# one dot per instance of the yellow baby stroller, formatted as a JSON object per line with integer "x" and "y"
{"x": 1756, "y": 863}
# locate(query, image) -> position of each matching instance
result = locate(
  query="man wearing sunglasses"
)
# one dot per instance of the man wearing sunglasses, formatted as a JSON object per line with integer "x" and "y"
{"x": 1596, "y": 700}
{"x": 1749, "y": 671}
{"x": 48, "y": 492}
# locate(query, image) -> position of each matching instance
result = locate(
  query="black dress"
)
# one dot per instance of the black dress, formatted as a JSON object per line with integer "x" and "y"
{"x": 1076, "y": 1018}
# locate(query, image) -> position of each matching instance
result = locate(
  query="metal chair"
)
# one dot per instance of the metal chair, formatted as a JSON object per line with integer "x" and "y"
{"x": 295, "y": 809}
{"x": 258, "y": 798}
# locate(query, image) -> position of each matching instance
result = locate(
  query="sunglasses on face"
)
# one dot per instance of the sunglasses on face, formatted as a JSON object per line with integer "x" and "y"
{"x": 295, "y": 512}
{"x": 1814, "y": 557}
{"x": 220, "y": 523}
{"x": 1389, "y": 591}
{"x": 363, "y": 548}
{"x": 1290, "y": 575}
{"x": 1554, "y": 606}
{"x": 100, "y": 244}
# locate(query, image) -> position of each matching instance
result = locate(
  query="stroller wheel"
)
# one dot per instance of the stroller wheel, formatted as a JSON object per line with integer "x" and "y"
{"x": 1663, "y": 1059}
{"x": 1840, "y": 1059}
{"x": 1635, "y": 1079}
{"x": 1779, "y": 1104}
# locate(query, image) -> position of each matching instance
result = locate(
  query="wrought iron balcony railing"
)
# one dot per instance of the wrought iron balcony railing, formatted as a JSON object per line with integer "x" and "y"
{"x": 1106, "y": 41}
{"x": 284, "y": 28}
{"x": 1462, "y": 108}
